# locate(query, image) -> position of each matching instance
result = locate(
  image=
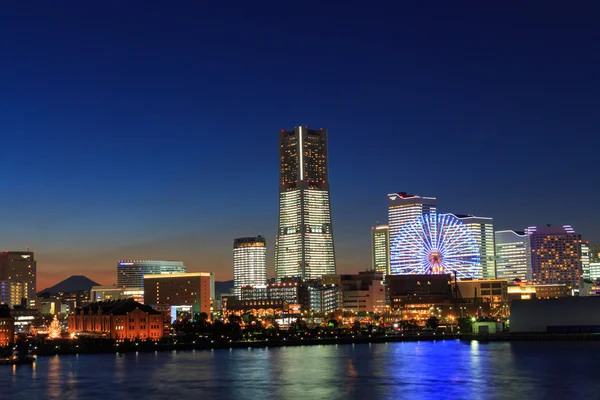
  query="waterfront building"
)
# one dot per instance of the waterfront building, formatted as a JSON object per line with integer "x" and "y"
{"x": 110, "y": 293}
{"x": 491, "y": 291}
{"x": 404, "y": 207}
{"x": 556, "y": 255}
{"x": 362, "y": 292}
{"x": 7, "y": 329}
{"x": 292, "y": 291}
{"x": 513, "y": 255}
{"x": 20, "y": 266}
{"x": 13, "y": 293}
{"x": 585, "y": 260}
{"x": 563, "y": 315}
{"x": 304, "y": 243}
{"x": 130, "y": 273}
{"x": 380, "y": 249}
{"x": 257, "y": 307}
{"x": 119, "y": 320}
{"x": 483, "y": 231}
{"x": 249, "y": 262}
{"x": 192, "y": 289}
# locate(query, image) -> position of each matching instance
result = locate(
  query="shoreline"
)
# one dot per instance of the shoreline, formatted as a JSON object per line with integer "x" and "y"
{"x": 68, "y": 347}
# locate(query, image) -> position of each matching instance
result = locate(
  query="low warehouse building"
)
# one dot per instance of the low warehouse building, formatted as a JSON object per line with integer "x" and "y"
{"x": 563, "y": 315}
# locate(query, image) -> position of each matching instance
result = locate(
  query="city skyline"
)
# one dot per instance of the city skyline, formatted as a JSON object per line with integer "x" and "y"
{"x": 114, "y": 157}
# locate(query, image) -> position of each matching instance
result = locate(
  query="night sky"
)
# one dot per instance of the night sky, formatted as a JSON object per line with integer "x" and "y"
{"x": 149, "y": 130}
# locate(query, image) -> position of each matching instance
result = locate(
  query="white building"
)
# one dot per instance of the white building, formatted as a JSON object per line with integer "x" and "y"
{"x": 130, "y": 273}
{"x": 403, "y": 207}
{"x": 513, "y": 256}
{"x": 304, "y": 244}
{"x": 249, "y": 262}
{"x": 585, "y": 260}
{"x": 380, "y": 249}
{"x": 111, "y": 293}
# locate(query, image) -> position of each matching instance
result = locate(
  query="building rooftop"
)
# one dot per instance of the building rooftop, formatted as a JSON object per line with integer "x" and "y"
{"x": 116, "y": 307}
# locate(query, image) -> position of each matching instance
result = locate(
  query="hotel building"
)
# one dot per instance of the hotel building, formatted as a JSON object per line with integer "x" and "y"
{"x": 403, "y": 207}
{"x": 249, "y": 262}
{"x": 304, "y": 244}
{"x": 555, "y": 255}
{"x": 130, "y": 273}
{"x": 380, "y": 249}
{"x": 513, "y": 255}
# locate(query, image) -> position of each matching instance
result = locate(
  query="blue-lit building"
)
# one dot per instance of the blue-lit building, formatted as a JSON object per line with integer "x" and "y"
{"x": 130, "y": 273}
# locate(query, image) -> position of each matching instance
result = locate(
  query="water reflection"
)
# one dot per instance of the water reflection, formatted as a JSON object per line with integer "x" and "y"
{"x": 415, "y": 370}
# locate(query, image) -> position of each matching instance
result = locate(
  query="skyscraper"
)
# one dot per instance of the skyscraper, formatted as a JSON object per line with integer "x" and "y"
{"x": 513, "y": 255}
{"x": 403, "y": 207}
{"x": 380, "y": 249}
{"x": 585, "y": 260}
{"x": 555, "y": 255}
{"x": 20, "y": 266}
{"x": 249, "y": 262}
{"x": 130, "y": 273}
{"x": 483, "y": 230}
{"x": 304, "y": 243}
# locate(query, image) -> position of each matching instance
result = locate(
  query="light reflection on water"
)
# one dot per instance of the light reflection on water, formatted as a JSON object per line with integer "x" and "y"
{"x": 412, "y": 370}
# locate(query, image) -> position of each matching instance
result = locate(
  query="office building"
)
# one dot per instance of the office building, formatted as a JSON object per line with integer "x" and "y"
{"x": 585, "y": 260}
{"x": 119, "y": 320}
{"x": 20, "y": 266}
{"x": 555, "y": 255}
{"x": 249, "y": 262}
{"x": 324, "y": 299}
{"x": 304, "y": 243}
{"x": 491, "y": 291}
{"x": 595, "y": 254}
{"x": 130, "y": 273}
{"x": 403, "y": 207}
{"x": 380, "y": 249}
{"x": 363, "y": 292}
{"x": 112, "y": 293}
{"x": 513, "y": 255}
{"x": 193, "y": 289}
{"x": 594, "y": 271}
{"x": 483, "y": 231}
{"x": 12, "y": 293}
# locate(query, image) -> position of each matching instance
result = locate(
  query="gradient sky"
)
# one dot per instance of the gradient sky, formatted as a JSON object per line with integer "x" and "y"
{"x": 148, "y": 130}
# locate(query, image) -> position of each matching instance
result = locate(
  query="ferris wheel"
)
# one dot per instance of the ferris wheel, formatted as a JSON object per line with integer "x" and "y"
{"x": 435, "y": 244}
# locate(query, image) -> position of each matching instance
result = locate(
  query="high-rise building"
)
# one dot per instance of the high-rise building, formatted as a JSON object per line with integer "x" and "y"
{"x": 403, "y": 207}
{"x": 483, "y": 230}
{"x": 380, "y": 249}
{"x": 304, "y": 243}
{"x": 585, "y": 260}
{"x": 130, "y": 273}
{"x": 555, "y": 255}
{"x": 20, "y": 266}
{"x": 513, "y": 255}
{"x": 249, "y": 262}
{"x": 595, "y": 254}
{"x": 12, "y": 293}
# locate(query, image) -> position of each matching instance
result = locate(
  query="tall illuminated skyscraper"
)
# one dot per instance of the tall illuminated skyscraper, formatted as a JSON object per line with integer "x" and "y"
{"x": 585, "y": 260}
{"x": 380, "y": 249}
{"x": 130, "y": 273}
{"x": 483, "y": 230}
{"x": 304, "y": 243}
{"x": 249, "y": 262}
{"x": 555, "y": 255}
{"x": 513, "y": 255}
{"x": 403, "y": 207}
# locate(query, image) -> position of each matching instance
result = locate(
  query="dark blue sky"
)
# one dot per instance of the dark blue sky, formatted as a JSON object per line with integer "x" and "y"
{"x": 149, "y": 130}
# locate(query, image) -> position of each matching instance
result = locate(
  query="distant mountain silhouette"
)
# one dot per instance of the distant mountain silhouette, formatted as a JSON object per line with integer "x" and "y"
{"x": 223, "y": 287}
{"x": 73, "y": 283}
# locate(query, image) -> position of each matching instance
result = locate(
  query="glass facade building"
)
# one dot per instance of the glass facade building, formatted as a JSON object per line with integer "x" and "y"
{"x": 249, "y": 262}
{"x": 555, "y": 255}
{"x": 380, "y": 249}
{"x": 130, "y": 273}
{"x": 304, "y": 244}
{"x": 483, "y": 230}
{"x": 513, "y": 255}
{"x": 404, "y": 207}
{"x": 20, "y": 266}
